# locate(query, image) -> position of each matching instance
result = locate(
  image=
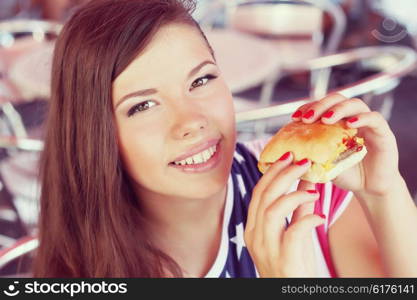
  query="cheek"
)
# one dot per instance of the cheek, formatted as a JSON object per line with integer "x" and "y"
{"x": 222, "y": 108}
{"x": 222, "y": 112}
{"x": 221, "y": 103}
{"x": 140, "y": 151}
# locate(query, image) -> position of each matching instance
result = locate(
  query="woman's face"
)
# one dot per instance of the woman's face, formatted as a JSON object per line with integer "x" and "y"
{"x": 172, "y": 109}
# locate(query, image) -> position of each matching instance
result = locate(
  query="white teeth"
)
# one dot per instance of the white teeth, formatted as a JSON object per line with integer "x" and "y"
{"x": 199, "y": 157}
{"x": 206, "y": 155}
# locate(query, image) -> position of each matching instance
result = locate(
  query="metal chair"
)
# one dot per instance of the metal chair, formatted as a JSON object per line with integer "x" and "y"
{"x": 296, "y": 42}
{"x": 12, "y": 259}
{"x": 24, "y": 42}
{"x": 278, "y": 24}
{"x": 18, "y": 39}
{"x": 403, "y": 61}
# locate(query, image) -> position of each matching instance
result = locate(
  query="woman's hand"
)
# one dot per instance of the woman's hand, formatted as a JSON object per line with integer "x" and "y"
{"x": 375, "y": 181}
{"x": 376, "y": 174}
{"x": 276, "y": 250}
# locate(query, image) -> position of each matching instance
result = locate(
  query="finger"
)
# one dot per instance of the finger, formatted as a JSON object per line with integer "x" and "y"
{"x": 314, "y": 111}
{"x": 280, "y": 185}
{"x": 374, "y": 121}
{"x": 302, "y": 211}
{"x": 274, "y": 216}
{"x": 375, "y": 130}
{"x": 276, "y": 188}
{"x": 297, "y": 115}
{"x": 344, "y": 109}
{"x": 306, "y": 208}
{"x": 284, "y": 161}
{"x": 281, "y": 163}
{"x": 304, "y": 185}
{"x": 297, "y": 232}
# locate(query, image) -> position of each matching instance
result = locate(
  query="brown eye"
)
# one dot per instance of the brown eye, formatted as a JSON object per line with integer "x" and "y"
{"x": 145, "y": 105}
{"x": 202, "y": 81}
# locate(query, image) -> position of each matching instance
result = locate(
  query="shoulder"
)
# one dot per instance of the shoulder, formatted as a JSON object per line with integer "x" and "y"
{"x": 353, "y": 245}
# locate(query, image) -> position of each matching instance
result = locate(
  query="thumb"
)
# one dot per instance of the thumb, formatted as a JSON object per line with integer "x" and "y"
{"x": 304, "y": 226}
{"x": 306, "y": 208}
{"x": 304, "y": 185}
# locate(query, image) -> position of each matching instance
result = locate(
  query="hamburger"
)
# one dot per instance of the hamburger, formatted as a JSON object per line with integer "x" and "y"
{"x": 331, "y": 148}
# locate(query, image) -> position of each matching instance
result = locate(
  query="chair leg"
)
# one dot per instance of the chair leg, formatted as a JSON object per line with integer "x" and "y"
{"x": 12, "y": 214}
{"x": 319, "y": 83}
{"x": 15, "y": 119}
{"x": 267, "y": 92}
{"x": 386, "y": 106}
{"x": 367, "y": 98}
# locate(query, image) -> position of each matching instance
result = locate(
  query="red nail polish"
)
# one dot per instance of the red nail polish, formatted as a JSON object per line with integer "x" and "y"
{"x": 353, "y": 120}
{"x": 312, "y": 191}
{"x": 328, "y": 114}
{"x": 285, "y": 156}
{"x": 322, "y": 216}
{"x": 297, "y": 114}
{"x": 309, "y": 114}
{"x": 302, "y": 162}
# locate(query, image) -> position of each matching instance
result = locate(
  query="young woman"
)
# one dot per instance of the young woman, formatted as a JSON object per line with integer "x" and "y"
{"x": 142, "y": 175}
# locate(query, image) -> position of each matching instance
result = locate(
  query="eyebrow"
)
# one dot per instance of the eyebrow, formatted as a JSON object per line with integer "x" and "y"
{"x": 147, "y": 92}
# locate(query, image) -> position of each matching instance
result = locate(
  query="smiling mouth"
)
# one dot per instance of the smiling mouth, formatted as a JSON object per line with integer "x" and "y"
{"x": 197, "y": 159}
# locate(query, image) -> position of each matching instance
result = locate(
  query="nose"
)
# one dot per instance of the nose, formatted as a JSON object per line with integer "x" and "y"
{"x": 190, "y": 124}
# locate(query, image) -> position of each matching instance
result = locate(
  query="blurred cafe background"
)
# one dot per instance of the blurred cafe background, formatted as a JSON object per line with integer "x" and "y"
{"x": 275, "y": 56}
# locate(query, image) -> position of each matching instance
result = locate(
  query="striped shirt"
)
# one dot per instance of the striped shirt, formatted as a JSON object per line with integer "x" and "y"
{"x": 233, "y": 259}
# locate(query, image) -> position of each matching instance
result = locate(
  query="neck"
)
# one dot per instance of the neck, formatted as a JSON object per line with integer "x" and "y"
{"x": 188, "y": 230}
{"x": 176, "y": 217}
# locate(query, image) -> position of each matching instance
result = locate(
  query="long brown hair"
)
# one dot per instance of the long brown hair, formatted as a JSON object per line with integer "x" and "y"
{"x": 90, "y": 222}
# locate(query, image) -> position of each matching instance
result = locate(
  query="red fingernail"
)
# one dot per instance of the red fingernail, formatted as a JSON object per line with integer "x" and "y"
{"x": 309, "y": 114}
{"x": 312, "y": 191}
{"x": 302, "y": 162}
{"x": 353, "y": 120}
{"x": 285, "y": 156}
{"x": 297, "y": 114}
{"x": 322, "y": 216}
{"x": 328, "y": 114}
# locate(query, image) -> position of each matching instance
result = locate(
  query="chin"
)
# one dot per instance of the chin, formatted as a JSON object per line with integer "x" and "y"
{"x": 207, "y": 189}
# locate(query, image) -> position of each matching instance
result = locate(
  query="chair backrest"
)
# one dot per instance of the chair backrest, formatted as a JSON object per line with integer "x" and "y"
{"x": 21, "y": 249}
{"x": 281, "y": 18}
{"x": 269, "y": 19}
{"x": 404, "y": 62}
{"x": 24, "y": 76}
{"x": 26, "y": 47}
